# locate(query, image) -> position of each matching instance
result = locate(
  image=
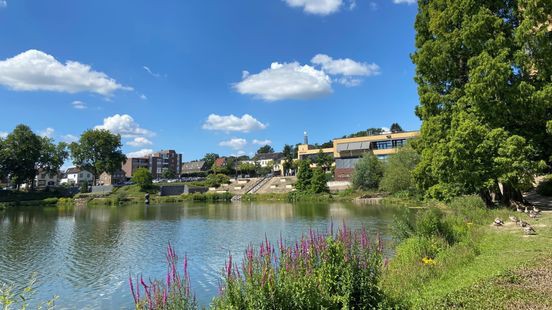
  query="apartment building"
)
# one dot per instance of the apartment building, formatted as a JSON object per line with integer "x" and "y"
{"x": 134, "y": 163}
{"x": 157, "y": 163}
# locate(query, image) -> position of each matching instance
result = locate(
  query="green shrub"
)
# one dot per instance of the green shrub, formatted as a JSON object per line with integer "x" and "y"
{"x": 397, "y": 175}
{"x": 368, "y": 172}
{"x": 216, "y": 180}
{"x": 50, "y": 201}
{"x": 143, "y": 178}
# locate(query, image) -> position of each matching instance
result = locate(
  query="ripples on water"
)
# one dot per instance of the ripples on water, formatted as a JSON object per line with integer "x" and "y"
{"x": 85, "y": 255}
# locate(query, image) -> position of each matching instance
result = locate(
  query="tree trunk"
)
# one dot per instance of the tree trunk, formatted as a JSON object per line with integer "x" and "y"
{"x": 486, "y": 197}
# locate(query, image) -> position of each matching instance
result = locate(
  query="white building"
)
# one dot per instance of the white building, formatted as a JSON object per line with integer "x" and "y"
{"x": 76, "y": 176}
{"x": 44, "y": 179}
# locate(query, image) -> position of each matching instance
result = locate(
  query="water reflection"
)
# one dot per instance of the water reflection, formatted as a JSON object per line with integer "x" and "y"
{"x": 85, "y": 255}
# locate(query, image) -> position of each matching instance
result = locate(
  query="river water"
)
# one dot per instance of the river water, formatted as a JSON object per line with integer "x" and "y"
{"x": 85, "y": 255}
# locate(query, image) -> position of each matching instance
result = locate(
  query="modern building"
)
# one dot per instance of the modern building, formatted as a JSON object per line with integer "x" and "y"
{"x": 347, "y": 151}
{"x": 165, "y": 160}
{"x": 156, "y": 163}
{"x": 118, "y": 177}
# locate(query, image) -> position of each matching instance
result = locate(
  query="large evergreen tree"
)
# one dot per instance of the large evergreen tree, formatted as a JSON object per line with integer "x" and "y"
{"x": 485, "y": 83}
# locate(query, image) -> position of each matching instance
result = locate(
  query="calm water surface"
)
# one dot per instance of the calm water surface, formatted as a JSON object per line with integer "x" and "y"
{"x": 85, "y": 255}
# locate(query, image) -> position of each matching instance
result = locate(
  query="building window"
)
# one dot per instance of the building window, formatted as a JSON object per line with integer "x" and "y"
{"x": 382, "y": 145}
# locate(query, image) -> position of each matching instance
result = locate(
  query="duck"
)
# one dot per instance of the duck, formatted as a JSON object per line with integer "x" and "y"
{"x": 526, "y": 211}
{"x": 528, "y": 230}
{"x": 498, "y": 222}
{"x": 533, "y": 214}
{"x": 537, "y": 210}
{"x": 518, "y": 209}
{"x": 513, "y": 219}
{"x": 523, "y": 223}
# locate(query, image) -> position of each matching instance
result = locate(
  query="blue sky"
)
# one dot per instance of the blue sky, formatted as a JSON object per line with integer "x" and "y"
{"x": 207, "y": 76}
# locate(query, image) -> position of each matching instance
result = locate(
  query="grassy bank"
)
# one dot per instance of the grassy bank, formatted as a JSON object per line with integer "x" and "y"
{"x": 459, "y": 260}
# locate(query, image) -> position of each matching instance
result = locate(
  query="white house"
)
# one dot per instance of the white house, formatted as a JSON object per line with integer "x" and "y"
{"x": 76, "y": 176}
{"x": 44, "y": 179}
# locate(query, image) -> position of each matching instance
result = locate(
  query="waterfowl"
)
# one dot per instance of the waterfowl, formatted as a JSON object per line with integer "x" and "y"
{"x": 529, "y": 230}
{"x": 518, "y": 209}
{"x": 498, "y": 222}
{"x": 523, "y": 224}
{"x": 535, "y": 209}
{"x": 513, "y": 219}
{"x": 526, "y": 211}
{"x": 533, "y": 214}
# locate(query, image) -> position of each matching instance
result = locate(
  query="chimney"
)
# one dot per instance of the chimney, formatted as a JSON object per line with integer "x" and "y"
{"x": 305, "y": 138}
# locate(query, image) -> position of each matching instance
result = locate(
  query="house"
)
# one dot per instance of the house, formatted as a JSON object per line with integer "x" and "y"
{"x": 118, "y": 177}
{"x": 77, "y": 176}
{"x": 274, "y": 161}
{"x": 194, "y": 168}
{"x": 46, "y": 179}
{"x": 219, "y": 162}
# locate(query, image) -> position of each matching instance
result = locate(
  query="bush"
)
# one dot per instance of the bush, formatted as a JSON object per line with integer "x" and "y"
{"x": 143, "y": 178}
{"x": 318, "y": 272}
{"x": 215, "y": 180}
{"x": 397, "y": 175}
{"x": 368, "y": 172}
{"x": 318, "y": 182}
{"x": 545, "y": 186}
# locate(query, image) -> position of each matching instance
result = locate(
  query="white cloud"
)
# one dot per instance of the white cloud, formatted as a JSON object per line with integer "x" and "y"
{"x": 239, "y": 153}
{"x": 405, "y": 1}
{"x": 235, "y": 143}
{"x": 286, "y": 81}
{"x": 47, "y": 133}
{"x": 140, "y": 153}
{"x": 348, "y": 81}
{"x": 77, "y": 104}
{"x": 318, "y": 7}
{"x": 125, "y": 126}
{"x": 69, "y": 138}
{"x": 230, "y": 122}
{"x": 3, "y": 4}
{"x": 262, "y": 142}
{"x": 148, "y": 70}
{"x": 143, "y": 97}
{"x": 140, "y": 141}
{"x": 347, "y": 67}
{"x": 3, "y": 134}
{"x": 37, "y": 71}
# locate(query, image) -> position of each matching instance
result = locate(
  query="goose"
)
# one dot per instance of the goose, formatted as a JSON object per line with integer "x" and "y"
{"x": 513, "y": 219}
{"x": 523, "y": 223}
{"x": 536, "y": 209}
{"x": 498, "y": 222}
{"x": 533, "y": 214}
{"x": 528, "y": 230}
{"x": 526, "y": 211}
{"x": 518, "y": 209}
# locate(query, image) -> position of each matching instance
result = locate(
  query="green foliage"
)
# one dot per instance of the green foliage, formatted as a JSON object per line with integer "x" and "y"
{"x": 367, "y": 132}
{"x": 545, "y": 186}
{"x": 318, "y": 183}
{"x": 169, "y": 174}
{"x": 210, "y": 197}
{"x": 304, "y": 176}
{"x": 142, "y": 177}
{"x": 216, "y": 180}
{"x": 84, "y": 187}
{"x": 398, "y": 169}
{"x": 9, "y": 298}
{"x": 98, "y": 150}
{"x": 20, "y": 154}
{"x": 368, "y": 172}
{"x": 485, "y": 94}
{"x": 210, "y": 158}
{"x": 265, "y": 149}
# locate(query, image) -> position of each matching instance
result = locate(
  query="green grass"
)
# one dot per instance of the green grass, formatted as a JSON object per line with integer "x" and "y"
{"x": 484, "y": 257}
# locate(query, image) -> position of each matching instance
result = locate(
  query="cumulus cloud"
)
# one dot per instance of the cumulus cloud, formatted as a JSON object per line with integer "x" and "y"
{"x": 47, "y": 133}
{"x": 235, "y": 143}
{"x": 346, "y": 66}
{"x": 140, "y": 153}
{"x": 286, "y": 81}
{"x": 140, "y": 141}
{"x": 34, "y": 70}
{"x": 317, "y": 7}
{"x": 231, "y": 122}
{"x": 3, "y": 134}
{"x": 125, "y": 126}
{"x": 262, "y": 142}
{"x": 404, "y": 1}
{"x": 77, "y": 104}
{"x": 69, "y": 138}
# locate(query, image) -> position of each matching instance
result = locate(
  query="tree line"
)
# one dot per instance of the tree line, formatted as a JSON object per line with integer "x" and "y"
{"x": 23, "y": 154}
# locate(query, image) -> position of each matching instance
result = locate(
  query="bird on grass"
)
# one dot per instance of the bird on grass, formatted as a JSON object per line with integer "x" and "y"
{"x": 528, "y": 230}
{"x": 498, "y": 222}
{"x": 533, "y": 214}
{"x": 523, "y": 224}
{"x": 513, "y": 219}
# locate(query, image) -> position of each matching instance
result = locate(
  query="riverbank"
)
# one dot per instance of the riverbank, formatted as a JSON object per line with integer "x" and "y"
{"x": 477, "y": 266}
